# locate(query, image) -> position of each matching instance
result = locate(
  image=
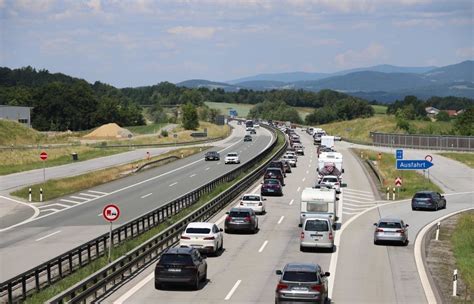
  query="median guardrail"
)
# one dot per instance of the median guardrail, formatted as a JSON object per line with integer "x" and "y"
{"x": 44, "y": 275}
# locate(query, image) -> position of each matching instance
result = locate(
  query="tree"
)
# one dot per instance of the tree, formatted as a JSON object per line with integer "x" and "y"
{"x": 192, "y": 96}
{"x": 403, "y": 124}
{"x": 190, "y": 117}
{"x": 442, "y": 116}
{"x": 464, "y": 123}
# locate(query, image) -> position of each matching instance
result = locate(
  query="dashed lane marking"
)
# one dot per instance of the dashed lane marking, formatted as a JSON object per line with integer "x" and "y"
{"x": 281, "y": 219}
{"x": 47, "y": 236}
{"x": 98, "y": 192}
{"x": 173, "y": 184}
{"x": 146, "y": 195}
{"x": 69, "y": 201}
{"x": 298, "y": 190}
{"x": 291, "y": 202}
{"x": 231, "y": 292}
{"x": 263, "y": 246}
{"x": 91, "y": 195}
{"x": 192, "y": 175}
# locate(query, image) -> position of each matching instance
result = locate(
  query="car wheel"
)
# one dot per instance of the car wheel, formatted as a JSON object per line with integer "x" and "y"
{"x": 196, "y": 283}
{"x": 204, "y": 278}
{"x": 302, "y": 249}
{"x": 222, "y": 245}
{"x": 444, "y": 207}
{"x": 227, "y": 230}
{"x": 158, "y": 285}
{"x": 376, "y": 242}
{"x": 405, "y": 243}
{"x": 436, "y": 207}
{"x": 413, "y": 208}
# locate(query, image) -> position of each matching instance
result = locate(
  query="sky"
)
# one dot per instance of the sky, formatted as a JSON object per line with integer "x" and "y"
{"x": 143, "y": 42}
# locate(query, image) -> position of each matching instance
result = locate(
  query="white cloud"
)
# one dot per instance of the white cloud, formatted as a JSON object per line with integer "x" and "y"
{"x": 2, "y": 3}
{"x": 193, "y": 31}
{"x": 95, "y": 5}
{"x": 372, "y": 54}
{"x": 327, "y": 42}
{"x": 466, "y": 53}
{"x": 432, "y": 23}
{"x": 35, "y": 5}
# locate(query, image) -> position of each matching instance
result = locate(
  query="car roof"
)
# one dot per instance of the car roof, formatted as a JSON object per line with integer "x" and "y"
{"x": 231, "y": 153}
{"x": 200, "y": 225}
{"x": 271, "y": 179}
{"x": 251, "y": 194}
{"x": 237, "y": 209}
{"x": 426, "y": 191}
{"x": 180, "y": 250}
{"x": 310, "y": 267}
{"x": 390, "y": 219}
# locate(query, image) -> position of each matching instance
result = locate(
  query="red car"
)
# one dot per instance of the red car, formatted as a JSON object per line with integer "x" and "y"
{"x": 271, "y": 186}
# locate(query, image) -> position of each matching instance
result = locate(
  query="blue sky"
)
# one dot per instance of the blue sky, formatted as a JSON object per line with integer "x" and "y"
{"x": 142, "y": 42}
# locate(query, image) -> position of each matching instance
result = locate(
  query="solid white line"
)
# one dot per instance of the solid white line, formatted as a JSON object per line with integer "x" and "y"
{"x": 359, "y": 205}
{"x": 192, "y": 175}
{"x": 57, "y": 204}
{"x": 98, "y": 192}
{"x": 146, "y": 195}
{"x": 307, "y": 171}
{"x": 356, "y": 209}
{"x": 298, "y": 190}
{"x": 263, "y": 246}
{"x": 47, "y": 236}
{"x": 360, "y": 195}
{"x": 87, "y": 194}
{"x": 350, "y": 213}
{"x": 291, "y": 202}
{"x": 231, "y": 292}
{"x": 81, "y": 198}
{"x": 354, "y": 190}
{"x": 356, "y": 201}
{"x": 37, "y": 211}
{"x": 135, "y": 288}
{"x": 69, "y": 201}
{"x": 281, "y": 219}
{"x": 50, "y": 209}
{"x": 430, "y": 297}
{"x": 173, "y": 184}
{"x": 207, "y": 168}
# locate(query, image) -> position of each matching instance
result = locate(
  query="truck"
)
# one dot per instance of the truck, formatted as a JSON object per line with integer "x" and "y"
{"x": 318, "y": 202}
{"x": 327, "y": 140}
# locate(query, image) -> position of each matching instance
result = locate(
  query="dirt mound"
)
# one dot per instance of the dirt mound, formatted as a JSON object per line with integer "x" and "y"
{"x": 109, "y": 130}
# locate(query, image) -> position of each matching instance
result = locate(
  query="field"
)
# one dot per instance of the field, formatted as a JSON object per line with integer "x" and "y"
{"x": 379, "y": 109}
{"x": 465, "y": 158}
{"x": 463, "y": 248}
{"x": 244, "y": 108}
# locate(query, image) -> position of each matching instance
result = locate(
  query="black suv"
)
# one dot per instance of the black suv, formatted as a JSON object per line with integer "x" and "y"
{"x": 428, "y": 200}
{"x": 212, "y": 155}
{"x": 181, "y": 265}
{"x": 247, "y": 138}
{"x": 278, "y": 164}
{"x": 275, "y": 173}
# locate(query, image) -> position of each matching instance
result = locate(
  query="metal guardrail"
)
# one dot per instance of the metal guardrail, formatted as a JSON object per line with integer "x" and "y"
{"x": 376, "y": 172}
{"x": 420, "y": 141}
{"x": 171, "y": 144}
{"x": 107, "y": 279}
{"x": 44, "y": 275}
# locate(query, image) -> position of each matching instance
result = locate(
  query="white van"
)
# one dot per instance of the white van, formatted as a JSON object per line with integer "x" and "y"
{"x": 317, "y": 202}
{"x": 317, "y": 232}
{"x": 330, "y": 158}
{"x": 327, "y": 141}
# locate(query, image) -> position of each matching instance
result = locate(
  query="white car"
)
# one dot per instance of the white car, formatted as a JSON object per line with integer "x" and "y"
{"x": 256, "y": 125}
{"x": 232, "y": 158}
{"x": 253, "y": 201}
{"x": 290, "y": 159}
{"x": 332, "y": 180}
{"x": 205, "y": 237}
{"x": 292, "y": 152}
{"x": 299, "y": 149}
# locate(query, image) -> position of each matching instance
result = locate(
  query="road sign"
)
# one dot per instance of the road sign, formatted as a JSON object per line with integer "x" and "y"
{"x": 413, "y": 164}
{"x": 43, "y": 155}
{"x": 399, "y": 154}
{"x": 429, "y": 158}
{"x": 398, "y": 181}
{"x": 111, "y": 213}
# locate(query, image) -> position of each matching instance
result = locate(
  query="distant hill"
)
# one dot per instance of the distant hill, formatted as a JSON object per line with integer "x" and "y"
{"x": 460, "y": 72}
{"x": 282, "y": 77}
{"x": 387, "y": 68}
{"x": 202, "y": 83}
{"x": 262, "y": 84}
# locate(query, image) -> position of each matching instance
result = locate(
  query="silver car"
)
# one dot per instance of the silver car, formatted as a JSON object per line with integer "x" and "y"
{"x": 302, "y": 282}
{"x": 317, "y": 232}
{"x": 391, "y": 230}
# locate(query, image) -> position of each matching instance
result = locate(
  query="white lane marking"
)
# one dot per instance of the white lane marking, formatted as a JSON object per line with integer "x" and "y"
{"x": 307, "y": 171}
{"x": 356, "y": 201}
{"x": 91, "y": 195}
{"x": 192, "y": 175}
{"x": 80, "y": 198}
{"x": 291, "y": 202}
{"x": 100, "y": 214}
{"x": 35, "y": 214}
{"x": 311, "y": 160}
{"x": 281, "y": 219}
{"x": 356, "y": 209}
{"x": 69, "y": 201}
{"x": 304, "y": 178}
{"x": 57, "y": 204}
{"x": 98, "y": 192}
{"x": 419, "y": 260}
{"x": 37, "y": 211}
{"x": 173, "y": 184}
{"x": 231, "y": 292}
{"x": 263, "y": 246}
{"x": 135, "y": 288}
{"x": 359, "y": 195}
{"x": 146, "y": 195}
{"x": 219, "y": 163}
{"x": 298, "y": 190}
{"x": 207, "y": 168}
{"x": 50, "y": 209}
{"x": 350, "y": 213}
{"x": 47, "y": 236}
{"x": 359, "y": 205}
{"x": 354, "y": 190}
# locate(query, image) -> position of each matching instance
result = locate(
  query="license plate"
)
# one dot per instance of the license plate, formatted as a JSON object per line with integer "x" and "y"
{"x": 239, "y": 221}
{"x": 174, "y": 270}
{"x": 300, "y": 289}
{"x": 270, "y": 190}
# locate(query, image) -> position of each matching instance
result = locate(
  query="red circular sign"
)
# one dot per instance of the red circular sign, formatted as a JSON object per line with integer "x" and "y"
{"x": 43, "y": 155}
{"x": 111, "y": 213}
{"x": 429, "y": 158}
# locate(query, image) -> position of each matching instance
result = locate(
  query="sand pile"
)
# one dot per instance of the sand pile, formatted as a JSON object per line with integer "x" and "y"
{"x": 109, "y": 130}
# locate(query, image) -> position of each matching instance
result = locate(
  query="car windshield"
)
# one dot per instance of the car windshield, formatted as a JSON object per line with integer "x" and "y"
{"x": 390, "y": 225}
{"x": 239, "y": 213}
{"x": 272, "y": 182}
{"x": 316, "y": 225}
{"x": 182, "y": 259}
{"x": 198, "y": 230}
{"x": 300, "y": 276}
{"x": 330, "y": 180}
{"x": 422, "y": 195}
{"x": 251, "y": 198}
{"x": 289, "y": 156}
{"x": 232, "y": 154}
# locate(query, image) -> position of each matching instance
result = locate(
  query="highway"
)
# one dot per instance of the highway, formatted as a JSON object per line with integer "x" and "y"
{"x": 76, "y": 218}
{"x": 361, "y": 272}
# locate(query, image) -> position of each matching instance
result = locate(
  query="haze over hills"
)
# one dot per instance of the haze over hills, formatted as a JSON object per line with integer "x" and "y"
{"x": 384, "y": 83}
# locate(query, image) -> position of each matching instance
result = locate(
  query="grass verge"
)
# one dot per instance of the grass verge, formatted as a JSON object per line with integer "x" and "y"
{"x": 412, "y": 181}
{"x": 129, "y": 245}
{"x": 465, "y": 158}
{"x": 463, "y": 248}
{"x": 59, "y": 187}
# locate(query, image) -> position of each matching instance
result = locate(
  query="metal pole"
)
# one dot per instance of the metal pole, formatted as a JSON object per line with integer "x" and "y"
{"x": 44, "y": 171}
{"x": 393, "y": 193}
{"x": 455, "y": 282}
{"x": 388, "y": 193}
{"x": 437, "y": 231}
{"x": 41, "y": 194}
{"x": 110, "y": 241}
{"x": 29, "y": 194}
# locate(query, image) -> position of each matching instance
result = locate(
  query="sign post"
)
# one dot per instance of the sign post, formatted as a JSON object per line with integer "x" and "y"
{"x": 110, "y": 213}
{"x": 430, "y": 159}
{"x": 44, "y": 157}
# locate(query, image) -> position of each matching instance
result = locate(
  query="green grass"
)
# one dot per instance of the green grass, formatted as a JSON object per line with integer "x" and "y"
{"x": 379, "y": 109}
{"x": 129, "y": 245}
{"x": 412, "y": 181}
{"x": 465, "y": 158}
{"x": 146, "y": 129}
{"x": 463, "y": 248}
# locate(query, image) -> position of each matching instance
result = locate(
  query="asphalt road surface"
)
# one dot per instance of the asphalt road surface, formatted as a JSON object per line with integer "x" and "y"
{"x": 70, "y": 221}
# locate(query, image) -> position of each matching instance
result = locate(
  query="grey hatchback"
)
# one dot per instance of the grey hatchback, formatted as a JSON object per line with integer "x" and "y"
{"x": 302, "y": 282}
{"x": 428, "y": 200}
{"x": 241, "y": 219}
{"x": 391, "y": 230}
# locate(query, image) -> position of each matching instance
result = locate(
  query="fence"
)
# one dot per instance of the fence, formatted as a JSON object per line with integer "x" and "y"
{"x": 434, "y": 142}
{"x": 44, "y": 275}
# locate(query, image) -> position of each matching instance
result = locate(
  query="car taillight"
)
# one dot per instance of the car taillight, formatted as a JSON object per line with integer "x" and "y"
{"x": 317, "y": 287}
{"x": 228, "y": 219}
{"x": 185, "y": 237}
{"x": 281, "y": 286}
{"x": 378, "y": 230}
{"x": 241, "y": 203}
{"x": 400, "y": 231}
{"x": 209, "y": 238}
{"x": 337, "y": 184}
{"x": 302, "y": 235}
{"x": 260, "y": 204}
{"x": 330, "y": 236}
{"x": 247, "y": 219}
